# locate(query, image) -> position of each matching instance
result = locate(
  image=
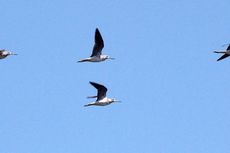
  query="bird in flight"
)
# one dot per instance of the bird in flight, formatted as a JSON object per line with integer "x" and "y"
{"x": 96, "y": 55}
{"x": 102, "y": 100}
{"x": 4, "y": 53}
{"x": 226, "y": 53}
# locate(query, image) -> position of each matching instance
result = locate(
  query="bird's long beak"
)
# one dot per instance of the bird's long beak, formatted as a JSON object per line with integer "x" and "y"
{"x": 111, "y": 58}
{"x": 13, "y": 54}
{"x": 117, "y": 101}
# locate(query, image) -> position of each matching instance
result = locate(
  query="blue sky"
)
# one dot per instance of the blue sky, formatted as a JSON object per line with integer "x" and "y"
{"x": 175, "y": 96}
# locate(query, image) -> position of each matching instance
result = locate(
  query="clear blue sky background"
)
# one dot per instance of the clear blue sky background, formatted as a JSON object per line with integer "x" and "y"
{"x": 175, "y": 96}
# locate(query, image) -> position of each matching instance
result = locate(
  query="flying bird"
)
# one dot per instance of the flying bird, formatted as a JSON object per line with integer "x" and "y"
{"x": 96, "y": 55}
{"x": 102, "y": 100}
{"x": 4, "y": 53}
{"x": 226, "y": 53}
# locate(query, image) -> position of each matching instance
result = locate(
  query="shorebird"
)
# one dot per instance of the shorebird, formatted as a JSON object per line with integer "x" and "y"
{"x": 4, "y": 53}
{"x": 102, "y": 100}
{"x": 96, "y": 55}
{"x": 226, "y": 53}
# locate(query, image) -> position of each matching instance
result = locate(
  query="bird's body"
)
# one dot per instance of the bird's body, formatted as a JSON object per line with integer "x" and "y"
{"x": 102, "y": 100}
{"x": 226, "y": 53}
{"x": 96, "y": 55}
{"x": 4, "y": 53}
{"x": 95, "y": 58}
{"x": 105, "y": 101}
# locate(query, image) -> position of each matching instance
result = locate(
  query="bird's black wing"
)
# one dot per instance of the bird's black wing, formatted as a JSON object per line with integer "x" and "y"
{"x": 228, "y": 48}
{"x": 101, "y": 90}
{"x": 223, "y": 56}
{"x": 99, "y": 44}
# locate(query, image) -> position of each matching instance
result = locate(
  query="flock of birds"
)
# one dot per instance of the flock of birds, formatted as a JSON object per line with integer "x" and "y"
{"x": 97, "y": 56}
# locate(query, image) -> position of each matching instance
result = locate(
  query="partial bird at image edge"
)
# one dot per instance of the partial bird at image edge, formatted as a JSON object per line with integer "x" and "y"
{"x": 225, "y": 52}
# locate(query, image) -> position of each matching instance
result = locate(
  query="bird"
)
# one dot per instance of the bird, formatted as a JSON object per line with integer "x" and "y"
{"x": 4, "y": 53}
{"x": 102, "y": 100}
{"x": 97, "y": 55}
{"x": 226, "y": 53}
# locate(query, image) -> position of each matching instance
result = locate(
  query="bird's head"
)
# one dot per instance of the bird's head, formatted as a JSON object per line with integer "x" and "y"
{"x": 6, "y": 53}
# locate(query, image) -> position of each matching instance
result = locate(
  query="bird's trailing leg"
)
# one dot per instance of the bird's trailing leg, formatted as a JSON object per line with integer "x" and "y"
{"x": 87, "y": 105}
{"x": 84, "y": 60}
{"x": 223, "y": 52}
{"x": 90, "y": 104}
{"x": 92, "y": 97}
